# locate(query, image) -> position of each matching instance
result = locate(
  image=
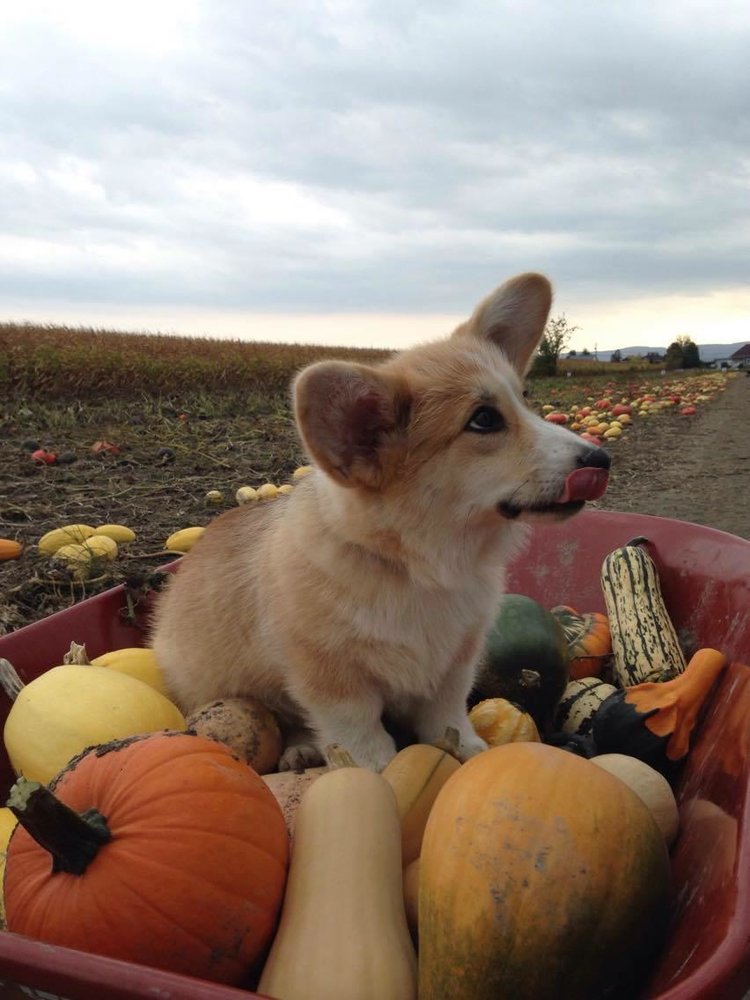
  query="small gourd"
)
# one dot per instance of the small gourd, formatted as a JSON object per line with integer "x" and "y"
{"x": 246, "y": 726}
{"x": 653, "y": 721}
{"x": 589, "y": 640}
{"x": 288, "y": 787}
{"x": 498, "y": 721}
{"x": 580, "y": 702}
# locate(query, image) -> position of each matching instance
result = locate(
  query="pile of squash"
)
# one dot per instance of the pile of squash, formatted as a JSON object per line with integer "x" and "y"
{"x": 433, "y": 879}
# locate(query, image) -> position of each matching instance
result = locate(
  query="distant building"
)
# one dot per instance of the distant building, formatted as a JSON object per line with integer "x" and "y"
{"x": 740, "y": 359}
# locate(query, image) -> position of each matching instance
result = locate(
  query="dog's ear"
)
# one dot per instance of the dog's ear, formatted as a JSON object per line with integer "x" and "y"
{"x": 349, "y": 416}
{"x": 513, "y": 317}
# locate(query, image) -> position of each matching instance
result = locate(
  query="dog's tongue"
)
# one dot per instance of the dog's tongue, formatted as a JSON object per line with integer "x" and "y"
{"x": 588, "y": 483}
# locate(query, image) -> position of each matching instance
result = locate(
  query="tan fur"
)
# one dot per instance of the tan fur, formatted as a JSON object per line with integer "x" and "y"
{"x": 371, "y": 586}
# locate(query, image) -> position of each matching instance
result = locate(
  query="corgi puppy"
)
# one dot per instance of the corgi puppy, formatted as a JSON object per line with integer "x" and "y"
{"x": 370, "y": 588}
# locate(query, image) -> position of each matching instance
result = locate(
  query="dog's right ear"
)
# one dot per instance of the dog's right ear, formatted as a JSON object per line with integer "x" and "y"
{"x": 349, "y": 417}
{"x": 513, "y": 317}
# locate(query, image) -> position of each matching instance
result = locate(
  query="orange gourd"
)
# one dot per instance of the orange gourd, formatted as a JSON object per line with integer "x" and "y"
{"x": 589, "y": 640}
{"x": 9, "y": 549}
{"x": 166, "y": 849}
{"x": 498, "y": 721}
{"x": 654, "y": 721}
{"x": 541, "y": 876}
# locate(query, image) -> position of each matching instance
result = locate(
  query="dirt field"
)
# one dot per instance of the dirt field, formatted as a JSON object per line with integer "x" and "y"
{"x": 695, "y": 469}
{"x": 692, "y": 469}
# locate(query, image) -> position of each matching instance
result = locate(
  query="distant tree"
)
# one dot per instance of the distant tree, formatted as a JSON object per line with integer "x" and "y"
{"x": 616, "y": 356}
{"x": 654, "y": 358}
{"x": 673, "y": 357}
{"x": 571, "y": 354}
{"x": 585, "y": 353}
{"x": 557, "y": 333}
{"x": 690, "y": 355}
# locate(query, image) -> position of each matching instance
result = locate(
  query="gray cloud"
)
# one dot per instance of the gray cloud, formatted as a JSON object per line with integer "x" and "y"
{"x": 347, "y": 155}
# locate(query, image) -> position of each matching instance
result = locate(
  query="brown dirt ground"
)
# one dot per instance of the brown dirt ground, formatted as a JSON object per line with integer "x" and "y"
{"x": 689, "y": 468}
{"x": 694, "y": 469}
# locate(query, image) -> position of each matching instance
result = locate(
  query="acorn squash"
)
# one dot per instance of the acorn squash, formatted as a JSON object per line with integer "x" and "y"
{"x": 525, "y": 659}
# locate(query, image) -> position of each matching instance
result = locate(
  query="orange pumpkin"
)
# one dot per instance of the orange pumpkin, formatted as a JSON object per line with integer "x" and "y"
{"x": 166, "y": 849}
{"x": 9, "y": 549}
{"x": 589, "y": 640}
{"x": 541, "y": 876}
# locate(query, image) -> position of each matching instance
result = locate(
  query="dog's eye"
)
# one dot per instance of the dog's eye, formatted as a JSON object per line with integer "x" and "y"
{"x": 485, "y": 420}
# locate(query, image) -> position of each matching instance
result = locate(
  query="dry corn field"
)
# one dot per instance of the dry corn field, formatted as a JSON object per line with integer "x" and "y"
{"x": 187, "y": 416}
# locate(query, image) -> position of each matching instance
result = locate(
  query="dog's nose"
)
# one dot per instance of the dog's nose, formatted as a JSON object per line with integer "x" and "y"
{"x": 594, "y": 458}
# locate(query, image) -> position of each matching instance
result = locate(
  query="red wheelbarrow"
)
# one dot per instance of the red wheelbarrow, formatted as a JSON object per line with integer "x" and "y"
{"x": 705, "y": 578}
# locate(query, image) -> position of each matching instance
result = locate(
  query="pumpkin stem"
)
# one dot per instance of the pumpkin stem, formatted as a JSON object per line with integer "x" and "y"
{"x": 10, "y": 682}
{"x": 337, "y": 756}
{"x": 73, "y": 839}
{"x": 77, "y": 654}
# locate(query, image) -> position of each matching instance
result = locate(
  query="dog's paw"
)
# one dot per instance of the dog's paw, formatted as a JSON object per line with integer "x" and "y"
{"x": 470, "y": 746}
{"x": 300, "y": 756}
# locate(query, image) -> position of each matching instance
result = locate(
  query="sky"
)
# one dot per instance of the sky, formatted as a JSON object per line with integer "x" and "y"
{"x": 362, "y": 173}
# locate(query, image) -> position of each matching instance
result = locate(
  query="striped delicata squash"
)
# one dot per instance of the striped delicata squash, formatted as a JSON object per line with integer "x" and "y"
{"x": 644, "y": 642}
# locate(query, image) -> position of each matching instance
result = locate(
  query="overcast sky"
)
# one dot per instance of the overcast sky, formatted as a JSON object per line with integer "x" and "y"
{"x": 356, "y": 172}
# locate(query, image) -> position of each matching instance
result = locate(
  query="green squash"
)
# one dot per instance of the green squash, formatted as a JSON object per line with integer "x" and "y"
{"x": 525, "y": 660}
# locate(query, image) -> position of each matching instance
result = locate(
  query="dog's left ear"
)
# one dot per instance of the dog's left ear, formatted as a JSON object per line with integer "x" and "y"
{"x": 349, "y": 417}
{"x": 513, "y": 317}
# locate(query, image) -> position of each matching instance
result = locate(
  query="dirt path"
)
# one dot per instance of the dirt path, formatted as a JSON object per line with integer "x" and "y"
{"x": 690, "y": 468}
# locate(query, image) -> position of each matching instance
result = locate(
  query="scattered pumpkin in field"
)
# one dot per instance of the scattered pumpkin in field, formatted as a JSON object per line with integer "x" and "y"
{"x": 118, "y": 532}
{"x": 246, "y": 726}
{"x": 268, "y": 491}
{"x": 184, "y": 539}
{"x": 101, "y": 547}
{"x": 246, "y": 494}
{"x": 301, "y": 471}
{"x": 10, "y": 549}
{"x": 184, "y": 844}
{"x": 53, "y": 540}
{"x": 214, "y": 498}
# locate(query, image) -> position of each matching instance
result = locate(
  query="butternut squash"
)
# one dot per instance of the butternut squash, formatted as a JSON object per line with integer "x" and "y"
{"x": 416, "y": 774}
{"x": 343, "y": 932}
